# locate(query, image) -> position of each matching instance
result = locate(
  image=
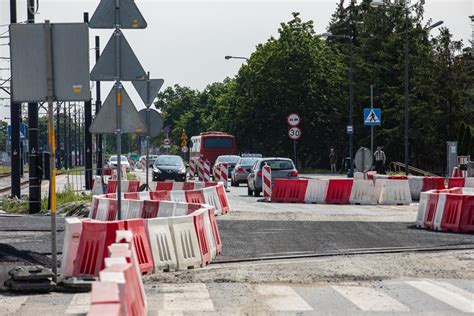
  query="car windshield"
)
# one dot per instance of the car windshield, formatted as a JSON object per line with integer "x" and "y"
{"x": 168, "y": 161}
{"x": 278, "y": 164}
{"x": 114, "y": 158}
{"x": 247, "y": 161}
{"x": 228, "y": 159}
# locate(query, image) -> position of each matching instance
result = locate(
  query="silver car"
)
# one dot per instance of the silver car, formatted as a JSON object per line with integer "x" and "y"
{"x": 281, "y": 168}
{"x": 241, "y": 171}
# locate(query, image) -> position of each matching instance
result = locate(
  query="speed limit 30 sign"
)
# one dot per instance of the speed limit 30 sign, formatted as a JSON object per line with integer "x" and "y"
{"x": 294, "y": 133}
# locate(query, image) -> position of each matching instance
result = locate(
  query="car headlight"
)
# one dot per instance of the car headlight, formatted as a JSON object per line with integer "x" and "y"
{"x": 182, "y": 170}
{"x": 156, "y": 170}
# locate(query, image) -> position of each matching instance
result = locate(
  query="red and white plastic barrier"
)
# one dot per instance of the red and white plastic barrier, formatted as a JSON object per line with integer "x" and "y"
{"x": 224, "y": 173}
{"x": 207, "y": 170}
{"x": 267, "y": 182}
{"x": 192, "y": 168}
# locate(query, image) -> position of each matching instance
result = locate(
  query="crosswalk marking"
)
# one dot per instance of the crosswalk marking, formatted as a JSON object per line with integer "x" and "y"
{"x": 446, "y": 293}
{"x": 187, "y": 297}
{"x": 282, "y": 298}
{"x": 11, "y": 304}
{"x": 79, "y": 304}
{"x": 368, "y": 299}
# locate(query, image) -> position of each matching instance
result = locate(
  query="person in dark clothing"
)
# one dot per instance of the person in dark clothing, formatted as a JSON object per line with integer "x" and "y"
{"x": 380, "y": 158}
{"x": 333, "y": 160}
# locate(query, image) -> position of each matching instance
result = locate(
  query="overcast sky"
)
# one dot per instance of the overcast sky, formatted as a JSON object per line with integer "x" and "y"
{"x": 186, "y": 41}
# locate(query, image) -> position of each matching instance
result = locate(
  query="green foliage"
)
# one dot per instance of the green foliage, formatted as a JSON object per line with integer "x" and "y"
{"x": 298, "y": 71}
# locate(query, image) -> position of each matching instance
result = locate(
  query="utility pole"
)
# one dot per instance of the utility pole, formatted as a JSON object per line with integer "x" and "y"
{"x": 66, "y": 155}
{"x": 87, "y": 135}
{"x": 76, "y": 135}
{"x": 58, "y": 136}
{"x": 98, "y": 104}
{"x": 15, "y": 109}
{"x": 33, "y": 149}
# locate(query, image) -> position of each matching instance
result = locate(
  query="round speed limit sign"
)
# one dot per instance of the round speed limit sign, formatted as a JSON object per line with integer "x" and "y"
{"x": 294, "y": 133}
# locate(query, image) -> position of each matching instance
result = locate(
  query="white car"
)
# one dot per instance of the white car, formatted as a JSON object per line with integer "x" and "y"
{"x": 113, "y": 162}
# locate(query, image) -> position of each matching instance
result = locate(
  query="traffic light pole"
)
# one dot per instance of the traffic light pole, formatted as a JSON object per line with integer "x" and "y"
{"x": 98, "y": 104}
{"x": 148, "y": 127}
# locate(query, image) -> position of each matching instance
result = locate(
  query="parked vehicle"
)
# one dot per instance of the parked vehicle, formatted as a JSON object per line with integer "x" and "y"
{"x": 281, "y": 168}
{"x": 112, "y": 163}
{"x": 169, "y": 167}
{"x": 210, "y": 145}
{"x": 241, "y": 171}
{"x": 231, "y": 160}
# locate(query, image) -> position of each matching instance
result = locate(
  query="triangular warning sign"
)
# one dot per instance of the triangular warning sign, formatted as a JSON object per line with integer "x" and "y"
{"x": 142, "y": 87}
{"x": 105, "y": 122}
{"x": 130, "y": 67}
{"x": 129, "y": 16}
{"x": 372, "y": 118}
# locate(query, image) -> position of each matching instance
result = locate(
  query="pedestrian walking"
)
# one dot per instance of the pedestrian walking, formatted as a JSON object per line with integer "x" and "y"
{"x": 380, "y": 158}
{"x": 333, "y": 160}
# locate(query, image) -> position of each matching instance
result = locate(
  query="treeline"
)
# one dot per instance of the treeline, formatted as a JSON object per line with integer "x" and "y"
{"x": 300, "y": 71}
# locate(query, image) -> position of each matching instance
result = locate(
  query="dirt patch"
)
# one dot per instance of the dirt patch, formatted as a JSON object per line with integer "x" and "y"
{"x": 447, "y": 264}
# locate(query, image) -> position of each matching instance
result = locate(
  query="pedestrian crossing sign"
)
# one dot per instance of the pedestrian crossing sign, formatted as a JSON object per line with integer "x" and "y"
{"x": 372, "y": 116}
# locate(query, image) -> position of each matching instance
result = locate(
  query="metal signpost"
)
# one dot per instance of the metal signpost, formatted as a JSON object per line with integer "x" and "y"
{"x": 148, "y": 91}
{"x": 50, "y": 75}
{"x": 294, "y": 132}
{"x": 118, "y": 62}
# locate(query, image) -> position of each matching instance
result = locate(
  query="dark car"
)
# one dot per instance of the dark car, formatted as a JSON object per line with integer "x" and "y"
{"x": 241, "y": 171}
{"x": 169, "y": 167}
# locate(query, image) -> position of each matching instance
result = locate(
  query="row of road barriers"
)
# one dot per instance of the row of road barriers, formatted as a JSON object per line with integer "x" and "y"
{"x": 447, "y": 210}
{"x": 378, "y": 189}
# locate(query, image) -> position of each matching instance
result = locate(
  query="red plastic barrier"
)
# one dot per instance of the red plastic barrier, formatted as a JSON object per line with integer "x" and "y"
{"x": 133, "y": 186}
{"x": 150, "y": 209}
{"x": 456, "y": 182}
{"x": 105, "y": 293}
{"x": 210, "y": 184}
{"x": 194, "y": 196}
{"x": 107, "y": 172}
{"x": 110, "y": 309}
{"x": 453, "y": 209}
{"x": 160, "y": 195}
{"x": 223, "y": 199}
{"x": 188, "y": 186}
{"x": 95, "y": 238}
{"x": 132, "y": 195}
{"x": 202, "y": 239}
{"x": 215, "y": 231}
{"x": 111, "y": 186}
{"x": 284, "y": 190}
{"x": 164, "y": 186}
{"x": 339, "y": 191}
{"x": 433, "y": 183}
{"x": 192, "y": 207}
{"x": 112, "y": 210}
{"x": 397, "y": 178}
{"x": 142, "y": 246}
{"x": 431, "y": 210}
{"x": 467, "y": 218}
{"x": 130, "y": 292}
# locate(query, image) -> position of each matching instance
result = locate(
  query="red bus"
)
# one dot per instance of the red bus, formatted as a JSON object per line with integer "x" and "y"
{"x": 210, "y": 145}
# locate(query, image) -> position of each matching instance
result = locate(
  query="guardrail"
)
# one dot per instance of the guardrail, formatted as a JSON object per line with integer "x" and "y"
{"x": 397, "y": 166}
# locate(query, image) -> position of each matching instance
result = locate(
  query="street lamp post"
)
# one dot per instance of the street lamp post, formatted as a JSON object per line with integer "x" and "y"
{"x": 407, "y": 7}
{"x": 350, "y": 132}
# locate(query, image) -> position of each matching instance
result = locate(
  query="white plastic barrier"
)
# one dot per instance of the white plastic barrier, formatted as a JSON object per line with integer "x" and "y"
{"x": 145, "y": 195}
{"x": 199, "y": 185}
{"x": 468, "y": 191}
{"x": 167, "y": 209}
{"x": 178, "y": 185}
{"x": 98, "y": 187}
{"x": 188, "y": 254}
{"x": 134, "y": 210}
{"x": 469, "y": 182}
{"x": 211, "y": 198}
{"x": 416, "y": 185}
{"x": 363, "y": 193}
{"x": 316, "y": 191}
{"x": 421, "y": 214}
{"x": 439, "y": 211}
{"x": 181, "y": 209}
{"x": 178, "y": 196}
{"x": 395, "y": 192}
{"x": 379, "y": 183}
{"x": 94, "y": 205}
{"x": 124, "y": 185}
{"x": 102, "y": 213}
{"x": 161, "y": 243}
{"x": 72, "y": 235}
{"x": 359, "y": 175}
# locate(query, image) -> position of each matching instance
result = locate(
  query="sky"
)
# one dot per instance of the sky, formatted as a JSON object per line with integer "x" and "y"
{"x": 186, "y": 40}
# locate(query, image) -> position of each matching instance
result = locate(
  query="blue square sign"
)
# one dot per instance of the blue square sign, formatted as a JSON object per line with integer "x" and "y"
{"x": 372, "y": 117}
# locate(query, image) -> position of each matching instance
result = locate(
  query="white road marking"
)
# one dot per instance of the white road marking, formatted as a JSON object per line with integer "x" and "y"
{"x": 446, "y": 293}
{"x": 187, "y": 297}
{"x": 11, "y": 304}
{"x": 80, "y": 304}
{"x": 369, "y": 299}
{"x": 282, "y": 298}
